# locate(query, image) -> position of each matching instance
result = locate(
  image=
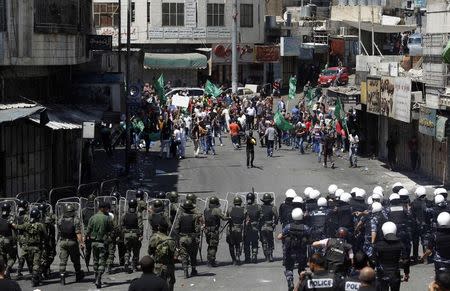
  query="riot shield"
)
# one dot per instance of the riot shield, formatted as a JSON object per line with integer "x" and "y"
{"x": 201, "y": 204}
{"x": 122, "y": 207}
{"x": 223, "y": 204}
{"x": 61, "y": 210}
{"x": 86, "y": 190}
{"x": 61, "y": 192}
{"x": 34, "y": 196}
{"x": 166, "y": 203}
{"x": 230, "y": 196}
{"x": 259, "y": 196}
{"x": 181, "y": 198}
{"x": 111, "y": 200}
{"x": 48, "y": 208}
{"x": 172, "y": 232}
{"x": 12, "y": 202}
{"x": 131, "y": 194}
{"x": 107, "y": 187}
{"x": 87, "y": 211}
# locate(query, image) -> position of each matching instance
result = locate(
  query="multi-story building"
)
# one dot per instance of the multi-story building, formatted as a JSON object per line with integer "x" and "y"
{"x": 187, "y": 40}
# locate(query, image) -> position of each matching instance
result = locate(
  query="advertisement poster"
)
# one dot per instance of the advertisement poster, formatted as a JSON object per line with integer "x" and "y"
{"x": 402, "y": 99}
{"x": 373, "y": 95}
{"x": 267, "y": 53}
{"x": 221, "y": 53}
{"x": 387, "y": 93}
{"x": 363, "y": 99}
{"x": 427, "y": 121}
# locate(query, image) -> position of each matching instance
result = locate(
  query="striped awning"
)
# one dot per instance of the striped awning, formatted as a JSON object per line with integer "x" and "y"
{"x": 193, "y": 61}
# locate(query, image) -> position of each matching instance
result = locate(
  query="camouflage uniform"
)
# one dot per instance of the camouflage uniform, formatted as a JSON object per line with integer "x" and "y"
{"x": 49, "y": 251}
{"x": 251, "y": 231}
{"x": 113, "y": 238}
{"x": 213, "y": 215}
{"x": 36, "y": 237}
{"x": 99, "y": 229}
{"x": 69, "y": 228}
{"x": 8, "y": 243}
{"x": 156, "y": 217}
{"x": 87, "y": 213}
{"x": 268, "y": 222}
{"x": 163, "y": 249}
{"x": 133, "y": 230}
{"x": 188, "y": 227}
{"x": 22, "y": 240}
{"x": 235, "y": 230}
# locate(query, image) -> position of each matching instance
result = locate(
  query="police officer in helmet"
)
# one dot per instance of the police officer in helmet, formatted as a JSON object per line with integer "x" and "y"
{"x": 269, "y": 220}
{"x": 213, "y": 215}
{"x": 252, "y": 228}
{"x": 235, "y": 229}
{"x": 133, "y": 230}
{"x": 8, "y": 246}
{"x": 440, "y": 244}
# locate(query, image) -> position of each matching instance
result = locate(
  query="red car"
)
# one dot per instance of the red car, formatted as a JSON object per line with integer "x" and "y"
{"x": 328, "y": 76}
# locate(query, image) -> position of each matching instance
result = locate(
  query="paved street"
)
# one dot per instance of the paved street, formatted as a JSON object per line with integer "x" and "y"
{"x": 227, "y": 172}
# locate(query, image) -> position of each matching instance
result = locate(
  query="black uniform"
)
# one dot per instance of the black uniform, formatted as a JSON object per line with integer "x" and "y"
{"x": 421, "y": 229}
{"x": 399, "y": 214}
{"x": 440, "y": 243}
{"x": 337, "y": 255}
{"x": 388, "y": 253}
{"x": 316, "y": 220}
{"x": 285, "y": 212}
{"x": 235, "y": 231}
{"x": 320, "y": 280}
{"x": 252, "y": 229}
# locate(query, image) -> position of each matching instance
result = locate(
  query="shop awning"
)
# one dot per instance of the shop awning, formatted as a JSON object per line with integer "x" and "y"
{"x": 381, "y": 28}
{"x": 193, "y": 61}
{"x": 65, "y": 117}
{"x": 11, "y": 112}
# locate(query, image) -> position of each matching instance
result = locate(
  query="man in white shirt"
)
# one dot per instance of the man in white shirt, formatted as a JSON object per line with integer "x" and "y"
{"x": 353, "y": 138}
{"x": 250, "y": 119}
{"x": 180, "y": 141}
{"x": 270, "y": 135}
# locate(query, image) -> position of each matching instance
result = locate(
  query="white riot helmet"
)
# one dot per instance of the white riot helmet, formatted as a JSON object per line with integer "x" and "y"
{"x": 443, "y": 220}
{"x": 314, "y": 194}
{"x": 297, "y": 199}
{"x": 360, "y": 193}
{"x": 438, "y": 199}
{"x": 369, "y": 200}
{"x": 111, "y": 215}
{"x": 345, "y": 197}
{"x": 397, "y": 184}
{"x": 376, "y": 207}
{"x": 420, "y": 191}
{"x": 322, "y": 202}
{"x": 377, "y": 196}
{"x": 403, "y": 192}
{"x": 378, "y": 189}
{"x": 290, "y": 193}
{"x": 338, "y": 193}
{"x": 389, "y": 228}
{"x": 354, "y": 190}
{"x": 332, "y": 189}
{"x": 394, "y": 196}
{"x": 307, "y": 191}
{"x": 440, "y": 191}
{"x": 297, "y": 214}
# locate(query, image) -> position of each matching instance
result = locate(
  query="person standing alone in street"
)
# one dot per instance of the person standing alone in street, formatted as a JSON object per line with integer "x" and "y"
{"x": 250, "y": 150}
{"x": 270, "y": 137}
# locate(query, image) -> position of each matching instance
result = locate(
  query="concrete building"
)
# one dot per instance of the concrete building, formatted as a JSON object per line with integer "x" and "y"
{"x": 185, "y": 27}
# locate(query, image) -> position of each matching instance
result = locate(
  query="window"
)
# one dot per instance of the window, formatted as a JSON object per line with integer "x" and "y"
{"x": 173, "y": 14}
{"x": 2, "y": 15}
{"x": 106, "y": 14}
{"x": 215, "y": 14}
{"x": 133, "y": 11}
{"x": 148, "y": 12}
{"x": 61, "y": 16}
{"x": 246, "y": 15}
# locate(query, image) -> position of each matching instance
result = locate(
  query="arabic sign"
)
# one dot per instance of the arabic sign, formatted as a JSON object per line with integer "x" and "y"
{"x": 267, "y": 53}
{"x": 114, "y": 32}
{"x": 221, "y": 53}
{"x": 99, "y": 42}
{"x": 427, "y": 121}
{"x": 373, "y": 95}
{"x": 387, "y": 93}
{"x": 190, "y": 11}
{"x": 402, "y": 99}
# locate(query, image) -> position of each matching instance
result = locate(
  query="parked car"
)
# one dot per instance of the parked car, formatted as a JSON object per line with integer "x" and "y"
{"x": 328, "y": 76}
{"x": 242, "y": 92}
{"x": 415, "y": 44}
{"x": 192, "y": 92}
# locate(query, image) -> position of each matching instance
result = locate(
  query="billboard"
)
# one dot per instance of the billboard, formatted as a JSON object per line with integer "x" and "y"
{"x": 402, "y": 99}
{"x": 427, "y": 121}
{"x": 387, "y": 93}
{"x": 221, "y": 53}
{"x": 373, "y": 95}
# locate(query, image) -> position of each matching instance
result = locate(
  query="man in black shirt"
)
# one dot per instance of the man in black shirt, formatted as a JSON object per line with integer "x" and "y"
{"x": 250, "y": 150}
{"x": 320, "y": 278}
{"x": 148, "y": 281}
{"x": 7, "y": 284}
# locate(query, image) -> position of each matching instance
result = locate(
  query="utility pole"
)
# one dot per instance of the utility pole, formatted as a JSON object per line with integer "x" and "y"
{"x": 119, "y": 40}
{"x": 359, "y": 29}
{"x": 234, "y": 53}
{"x": 127, "y": 113}
{"x": 373, "y": 35}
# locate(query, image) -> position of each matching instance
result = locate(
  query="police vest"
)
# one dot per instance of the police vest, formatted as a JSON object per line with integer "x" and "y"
{"x": 418, "y": 208}
{"x": 311, "y": 204}
{"x": 130, "y": 221}
{"x": 442, "y": 241}
{"x": 5, "y": 229}
{"x": 397, "y": 215}
{"x": 336, "y": 253}
{"x": 253, "y": 212}
{"x": 267, "y": 213}
{"x": 237, "y": 216}
{"x": 324, "y": 282}
{"x": 358, "y": 204}
{"x": 297, "y": 236}
{"x": 67, "y": 229}
{"x": 285, "y": 213}
{"x": 157, "y": 220}
{"x": 344, "y": 216}
{"x": 187, "y": 223}
{"x": 352, "y": 284}
{"x": 210, "y": 219}
{"x": 317, "y": 219}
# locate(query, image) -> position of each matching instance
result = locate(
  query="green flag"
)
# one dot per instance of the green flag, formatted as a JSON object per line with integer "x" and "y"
{"x": 211, "y": 89}
{"x": 339, "y": 113}
{"x": 292, "y": 87}
{"x": 159, "y": 88}
{"x": 282, "y": 123}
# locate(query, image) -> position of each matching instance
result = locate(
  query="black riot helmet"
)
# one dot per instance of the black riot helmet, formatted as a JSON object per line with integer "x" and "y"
{"x": 116, "y": 195}
{"x": 173, "y": 196}
{"x": 161, "y": 195}
{"x": 191, "y": 197}
{"x": 132, "y": 204}
{"x": 187, "y": 205}
{"x": 23, "y": 204}
{"x": 35, "y": 213}
{"x": 237, "y": 201}
{"x": 214, "y": 202}
{"x": 250, "y": 198}
{"x": 267, "y": 198}
{"x": 69, "y": 210}
{"x": 139, "y": 194}
{"x": 42, "y": 208}
{"x": 158, "y": 204}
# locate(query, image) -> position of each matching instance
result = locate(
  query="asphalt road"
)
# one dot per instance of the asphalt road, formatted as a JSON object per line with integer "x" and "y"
{"x": 227, "y": 172}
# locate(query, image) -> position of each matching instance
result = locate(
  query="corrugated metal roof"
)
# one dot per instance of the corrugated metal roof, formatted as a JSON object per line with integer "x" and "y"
{"x": 14, "y": 111}
{"x": 67, "y": 118}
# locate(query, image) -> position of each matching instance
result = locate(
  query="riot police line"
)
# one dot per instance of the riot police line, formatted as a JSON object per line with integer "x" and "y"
{"x": 336, "y": 226}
